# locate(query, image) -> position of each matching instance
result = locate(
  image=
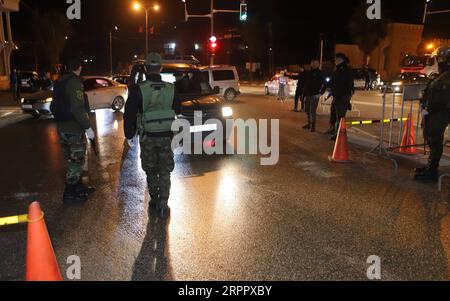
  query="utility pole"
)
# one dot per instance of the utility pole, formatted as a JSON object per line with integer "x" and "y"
{"x": 271, "y": 55}
{"x": 321, "y": 51}
{"x": 110, "y": 55}
{"x": 210, "y": 16}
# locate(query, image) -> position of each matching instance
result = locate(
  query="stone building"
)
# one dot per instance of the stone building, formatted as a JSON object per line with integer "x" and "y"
{"x": 401, "y": 40}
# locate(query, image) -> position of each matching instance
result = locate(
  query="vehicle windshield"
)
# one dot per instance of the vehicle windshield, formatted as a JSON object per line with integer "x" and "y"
{"x": 187, "y": 82}
{"x": 415, "y": 61}
{"x": 410, "y": 76}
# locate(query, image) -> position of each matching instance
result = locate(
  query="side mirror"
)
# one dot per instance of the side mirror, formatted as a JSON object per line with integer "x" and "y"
{"x": 216, "y": 90}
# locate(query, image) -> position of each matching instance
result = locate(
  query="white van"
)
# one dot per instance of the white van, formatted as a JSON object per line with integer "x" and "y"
{"x": 224, "y": 77}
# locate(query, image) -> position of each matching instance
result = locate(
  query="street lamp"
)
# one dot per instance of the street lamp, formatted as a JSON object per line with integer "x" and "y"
{"x": 111, "y": 50}
{"x": 137, "y": 6}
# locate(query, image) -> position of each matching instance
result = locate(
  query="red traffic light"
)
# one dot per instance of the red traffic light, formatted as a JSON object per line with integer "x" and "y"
{"x": 213, "y": 45}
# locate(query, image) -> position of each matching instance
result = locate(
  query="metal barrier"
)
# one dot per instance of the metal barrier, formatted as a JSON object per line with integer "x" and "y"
{"x": 411, "y": 94}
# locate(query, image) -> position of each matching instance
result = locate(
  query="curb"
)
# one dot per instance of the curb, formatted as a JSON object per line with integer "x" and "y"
{"x": 13, "y": 119}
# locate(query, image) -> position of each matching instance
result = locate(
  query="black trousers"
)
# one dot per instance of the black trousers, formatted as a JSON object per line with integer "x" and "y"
{"x": 435, "y": 127}
{"x": 311, "y": 104}
{"x": 339, "y": 110}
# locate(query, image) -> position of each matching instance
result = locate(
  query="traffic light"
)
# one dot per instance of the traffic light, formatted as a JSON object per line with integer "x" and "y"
{"x": 244, "y": 12}
{"x": 213, "y": 45}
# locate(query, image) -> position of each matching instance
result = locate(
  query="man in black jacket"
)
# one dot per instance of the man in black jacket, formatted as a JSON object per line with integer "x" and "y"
{"x": 313, "y": 88}
{"x": 342, "y": 89}
{"x": 299, "y": 90}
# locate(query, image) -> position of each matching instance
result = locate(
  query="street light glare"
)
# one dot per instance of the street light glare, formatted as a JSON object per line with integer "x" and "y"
{"x": 430, "y": 46}
{"x": 137, "y": 6}
{"x": 156, "y": 7}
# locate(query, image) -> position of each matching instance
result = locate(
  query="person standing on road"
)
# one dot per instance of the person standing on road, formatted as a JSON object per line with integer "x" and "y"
{"x": 342, "y": 90}
{"x": 436, "y": 108}
{"x": 149, "y": 113}
{"x": 313, "y": 88}
{"x": 282, "y": 86}
{"x": 367, "y": 78}
{"x": 73, "y": 125}
{"x": 299, "y": 90}
{"x": 15, "y": 85}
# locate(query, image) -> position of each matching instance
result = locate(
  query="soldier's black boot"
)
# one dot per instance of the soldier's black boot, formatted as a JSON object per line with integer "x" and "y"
{"x": 313, "y": 127}
{"x": 71, "y": 196}
{"x": 84, "y": 190}
{"x": 307, "y": 127}
{"x": 430, "y": 174}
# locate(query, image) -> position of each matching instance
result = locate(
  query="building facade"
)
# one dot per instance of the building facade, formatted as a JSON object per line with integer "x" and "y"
{"x": 401, "y": 40}
{"x": 6, "y": 40}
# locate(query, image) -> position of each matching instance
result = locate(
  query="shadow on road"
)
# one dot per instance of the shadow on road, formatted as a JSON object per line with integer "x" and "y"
{"x": 152, "y": 264}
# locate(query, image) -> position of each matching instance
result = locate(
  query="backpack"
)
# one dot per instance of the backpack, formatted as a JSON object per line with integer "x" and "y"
{"x": 60, "y": 106}
{"x": 157, "y": 112}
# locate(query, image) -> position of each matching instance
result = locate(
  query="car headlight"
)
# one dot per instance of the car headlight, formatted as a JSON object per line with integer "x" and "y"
{"x": 50, "y": 99}
{"x": 227, "y": 112}
{"x": 397, "y": 83}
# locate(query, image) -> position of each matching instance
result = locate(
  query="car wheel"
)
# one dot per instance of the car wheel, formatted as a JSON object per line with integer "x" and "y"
{"x": 267, "y": 90}
{"x": 118, "y": 103}
{"x": 230, "y": 95}
{"x": 36, "y": 115}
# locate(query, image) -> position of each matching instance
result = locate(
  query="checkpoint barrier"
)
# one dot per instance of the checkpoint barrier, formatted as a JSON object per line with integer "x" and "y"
{"x": 406, "y": 139}
{"x": 41, "y": 263}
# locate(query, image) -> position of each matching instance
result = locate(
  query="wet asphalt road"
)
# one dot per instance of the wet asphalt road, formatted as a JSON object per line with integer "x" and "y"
{"x": 232, "y": 219}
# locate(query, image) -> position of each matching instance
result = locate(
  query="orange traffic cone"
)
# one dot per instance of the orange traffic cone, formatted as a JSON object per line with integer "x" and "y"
{"x": 408, "y": 141}
{"x": 341, "y": 154}
{"x": 41, "y": 264}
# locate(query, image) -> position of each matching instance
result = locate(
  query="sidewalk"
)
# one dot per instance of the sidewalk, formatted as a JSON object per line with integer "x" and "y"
{"x": 6, "y": 100}
{"x": 10, "y": 111}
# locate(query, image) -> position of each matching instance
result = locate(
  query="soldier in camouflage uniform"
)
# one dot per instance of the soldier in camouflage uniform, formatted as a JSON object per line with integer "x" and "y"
{"x": 436, "y": 104}
{"x": 70, "y": 111}
{"x": 149, "y": 113}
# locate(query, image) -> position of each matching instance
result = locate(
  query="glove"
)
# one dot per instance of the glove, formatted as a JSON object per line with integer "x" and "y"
{"x": 130, "y": 143}
{"x": 90, "y": 134}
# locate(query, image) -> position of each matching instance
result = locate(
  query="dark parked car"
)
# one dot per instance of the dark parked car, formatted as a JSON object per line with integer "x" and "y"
{"x": 360, "y": 78}
{"x": 398, "y": 82}
{"x": 194, "y": 97}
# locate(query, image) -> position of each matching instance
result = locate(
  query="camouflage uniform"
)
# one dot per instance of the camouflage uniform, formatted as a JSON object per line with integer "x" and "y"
{"x": 72, "y": 132}
{"x": 158, "y": 163}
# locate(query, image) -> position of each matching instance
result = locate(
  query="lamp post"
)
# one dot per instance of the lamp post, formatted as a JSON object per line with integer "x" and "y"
{"x": 137, "y": 6}
{"x": 111, "y": 50}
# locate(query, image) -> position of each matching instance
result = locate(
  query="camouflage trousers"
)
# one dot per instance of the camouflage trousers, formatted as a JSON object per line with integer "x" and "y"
{"x": 74, "y": 149}
{"x": 158, "y": 163}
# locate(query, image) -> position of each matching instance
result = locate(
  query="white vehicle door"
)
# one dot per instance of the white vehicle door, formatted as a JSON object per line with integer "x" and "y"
{"x": 90, "y": 88}
{"x": 101, "y": 93}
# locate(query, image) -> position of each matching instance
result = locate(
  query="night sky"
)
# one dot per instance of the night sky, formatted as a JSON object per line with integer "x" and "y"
{"x": 297, "y": 24}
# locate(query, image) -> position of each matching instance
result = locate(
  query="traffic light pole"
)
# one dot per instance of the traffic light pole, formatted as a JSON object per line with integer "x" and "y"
{"x": 211, "y": 17}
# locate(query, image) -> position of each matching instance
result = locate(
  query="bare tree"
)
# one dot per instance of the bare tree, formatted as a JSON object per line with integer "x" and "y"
{"x": 51, "y": 30}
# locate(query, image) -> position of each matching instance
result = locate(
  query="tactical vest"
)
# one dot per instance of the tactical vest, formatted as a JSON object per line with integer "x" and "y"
{"x": 439, "y": 99}
{"x": 157, "y": 112}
